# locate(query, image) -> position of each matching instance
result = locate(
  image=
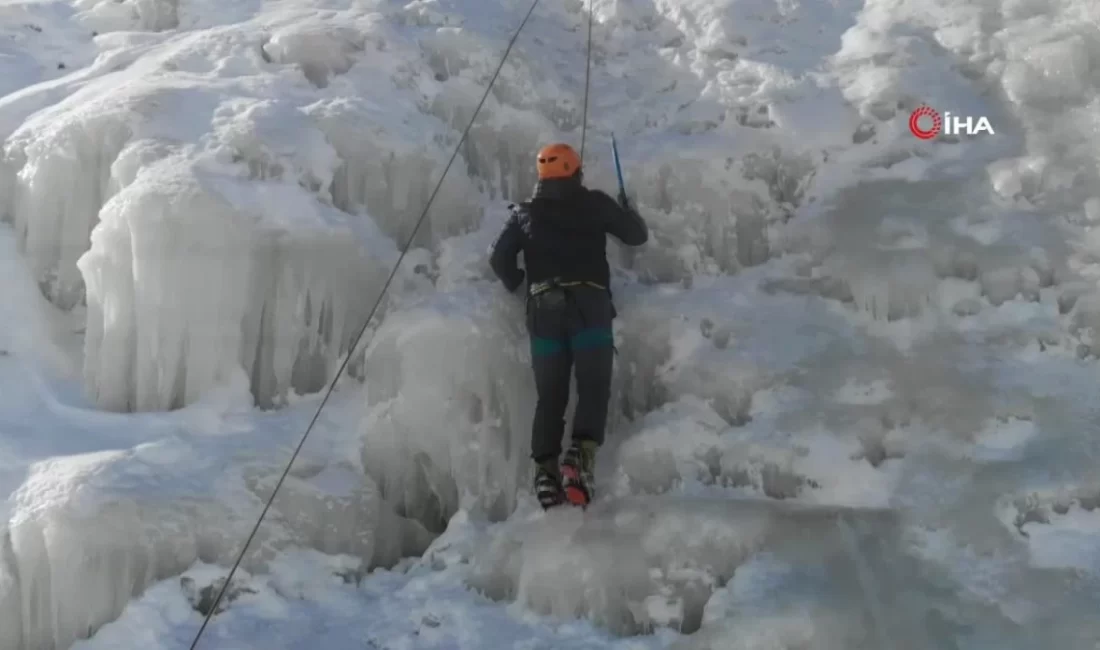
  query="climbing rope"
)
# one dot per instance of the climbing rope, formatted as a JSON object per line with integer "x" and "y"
{"x": 587, "y": 78}
{"x": 362, "y": 330}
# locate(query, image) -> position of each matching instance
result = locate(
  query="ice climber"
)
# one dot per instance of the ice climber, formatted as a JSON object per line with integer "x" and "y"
{"x": 562, "y": 232}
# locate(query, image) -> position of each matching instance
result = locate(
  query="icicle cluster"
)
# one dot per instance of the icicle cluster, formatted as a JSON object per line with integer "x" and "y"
{"x": 68, "y": 565}
{"x": 389, "y": 171}
{"x": 184, "y": 287}
{"x": 62, "y": 177}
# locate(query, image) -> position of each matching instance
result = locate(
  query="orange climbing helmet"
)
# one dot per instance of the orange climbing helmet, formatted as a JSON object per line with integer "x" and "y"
{"x": 557, "y": 161}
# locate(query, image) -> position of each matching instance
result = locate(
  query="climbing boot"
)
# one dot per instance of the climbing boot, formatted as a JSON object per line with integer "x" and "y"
{"x": 548, "y": 488}
{"x": 578, "y": 470}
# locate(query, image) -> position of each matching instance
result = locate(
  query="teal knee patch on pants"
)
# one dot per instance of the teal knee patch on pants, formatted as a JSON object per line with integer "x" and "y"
{"x": 541, "y": 347}
{"x": 594, "y": 337}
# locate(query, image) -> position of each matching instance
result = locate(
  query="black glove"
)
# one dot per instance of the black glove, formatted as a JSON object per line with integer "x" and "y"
{"x": 624, "y": 202}
{"x": 515, "y": 282}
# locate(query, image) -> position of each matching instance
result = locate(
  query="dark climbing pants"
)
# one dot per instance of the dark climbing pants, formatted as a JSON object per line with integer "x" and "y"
{"x": 570, "y": 332}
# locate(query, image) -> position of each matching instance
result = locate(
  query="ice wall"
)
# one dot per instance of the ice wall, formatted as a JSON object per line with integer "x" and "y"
{"x": 63, "y": 176}
{"x": 239, "y": 224}
{"x": 256, "y": 97}
{"x": 1006, "y": 247}
{"x": 450, "y": 400}
{"x": 128, "y": 15}
{"x": 261, "y": 174}
{"x": 389, "y": 171}
{"x": 523, "y": 112}
{"x": 634, "y": 565}
{"x": 751, "y": 130}
{"x": 92, "y": 531}
{"x": 711, "y": 212}
{"x": 204, "y": 263}
{"x": 282, "y": 305}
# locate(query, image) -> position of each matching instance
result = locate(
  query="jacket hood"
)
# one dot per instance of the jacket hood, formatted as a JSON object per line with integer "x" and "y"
{"x": 558, "y": 188}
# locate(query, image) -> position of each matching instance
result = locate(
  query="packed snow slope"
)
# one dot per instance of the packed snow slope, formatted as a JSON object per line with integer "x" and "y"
{"x": 854, "y": 403}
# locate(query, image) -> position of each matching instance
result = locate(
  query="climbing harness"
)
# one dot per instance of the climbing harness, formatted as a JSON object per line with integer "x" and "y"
{"x": 554, "y": 292}
{"x": 362, "y": 330}
{"x": 537, "y": 288}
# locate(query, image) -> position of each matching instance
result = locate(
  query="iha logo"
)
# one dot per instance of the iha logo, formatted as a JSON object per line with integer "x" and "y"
{"x": 949, "y": 124}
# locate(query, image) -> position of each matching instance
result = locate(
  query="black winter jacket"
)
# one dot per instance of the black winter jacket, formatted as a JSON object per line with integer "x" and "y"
{"x": 562, "y": 233}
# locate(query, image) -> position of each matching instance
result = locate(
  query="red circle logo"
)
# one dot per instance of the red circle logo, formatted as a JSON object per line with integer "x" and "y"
{"x": 915, "y": 127}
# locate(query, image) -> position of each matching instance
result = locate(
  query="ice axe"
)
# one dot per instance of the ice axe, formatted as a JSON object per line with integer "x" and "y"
{"x": 618, "y": 169}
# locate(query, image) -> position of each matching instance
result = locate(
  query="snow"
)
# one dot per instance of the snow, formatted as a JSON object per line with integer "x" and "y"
{"x": 854, "y": 397}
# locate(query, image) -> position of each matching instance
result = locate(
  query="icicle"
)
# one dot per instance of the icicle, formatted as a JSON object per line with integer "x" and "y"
{"x": 64, "y": 177}
{"x": 390, "y": 172}
{"x": 184, "y": 288}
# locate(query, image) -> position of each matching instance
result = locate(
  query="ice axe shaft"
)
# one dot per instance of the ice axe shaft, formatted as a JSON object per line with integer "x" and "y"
{"x": 618, "y": 165}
